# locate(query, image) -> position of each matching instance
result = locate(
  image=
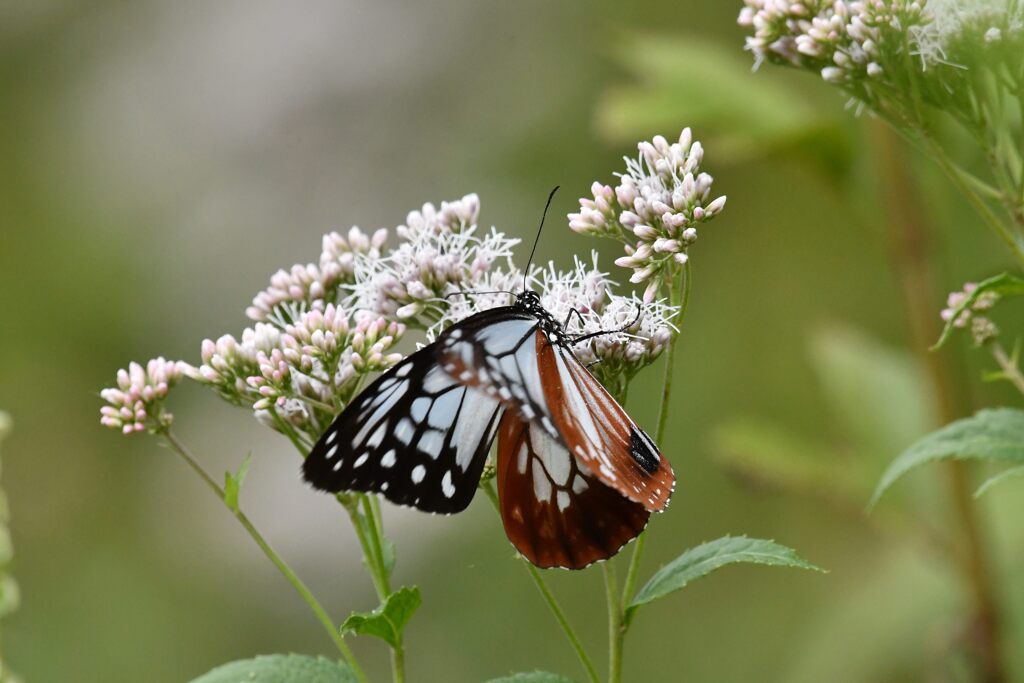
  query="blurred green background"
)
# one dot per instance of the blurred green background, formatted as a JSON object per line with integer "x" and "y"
{"x": 158, "y": 160}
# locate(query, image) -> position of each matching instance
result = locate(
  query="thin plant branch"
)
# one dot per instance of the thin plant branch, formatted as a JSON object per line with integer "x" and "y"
{"x": 1008, "y": 364}
{"x": 551, "y": 601}
{"x": 321, "y": 614}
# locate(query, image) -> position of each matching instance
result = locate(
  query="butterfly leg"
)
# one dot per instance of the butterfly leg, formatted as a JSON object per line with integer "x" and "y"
{"x": 579, "y": 316}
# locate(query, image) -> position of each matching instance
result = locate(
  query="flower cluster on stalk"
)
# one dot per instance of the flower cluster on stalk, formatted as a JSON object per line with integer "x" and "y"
{"x": 323, "y": 328}
{"x": 136, "y": 404}
{"x": 654, "y": 210}
{"x": 972, "y": 317}
{"x": 891, "y": 55}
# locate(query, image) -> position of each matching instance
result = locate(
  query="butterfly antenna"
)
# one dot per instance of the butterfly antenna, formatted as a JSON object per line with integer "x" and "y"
{"x": 536, "y": 240}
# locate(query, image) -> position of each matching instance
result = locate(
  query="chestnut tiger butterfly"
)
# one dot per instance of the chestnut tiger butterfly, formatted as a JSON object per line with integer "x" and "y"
{"x": 577, "y": 478}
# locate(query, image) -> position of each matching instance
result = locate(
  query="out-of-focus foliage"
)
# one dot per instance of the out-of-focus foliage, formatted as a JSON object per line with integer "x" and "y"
{"x": 710, "y": 85}
{"x": 280, "y": 669}
{"x": 159, "y": 161}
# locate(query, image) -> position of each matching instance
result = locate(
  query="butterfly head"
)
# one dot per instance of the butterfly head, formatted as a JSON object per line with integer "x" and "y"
{"x": 529, "y": 300}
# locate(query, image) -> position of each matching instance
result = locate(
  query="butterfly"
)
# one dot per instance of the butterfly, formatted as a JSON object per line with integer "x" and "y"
{"x": 577, "y": 478}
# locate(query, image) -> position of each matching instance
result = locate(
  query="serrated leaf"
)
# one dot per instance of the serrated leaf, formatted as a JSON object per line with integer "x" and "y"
{"x": 532, "y": 677}
{"x": 707, "y": 557}
{"x": 280, "y": 669}
{"x": 993, "y": 434}
{"x": 712, "y": 88}
{"x": 1003, "y": 285}
{"x": 233, "y": 483}
{"x": 1012, "y": 473}
{"x": 387, "y": 621}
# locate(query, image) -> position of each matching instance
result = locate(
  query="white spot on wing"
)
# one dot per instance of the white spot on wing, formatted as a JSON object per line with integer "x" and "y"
{"x": 418, "y": 473}
{"x": 541, "y": 485}
{"x": 405, "y": 430}
{"x": 389, "y": 459}
{"x": 331, "y": 437}
{"x": 446, "y": 485}
{"x": 333, "y": 449}
{"x": 376, "y": 437}
{"x": 418, "y": 409}
{"x": 361, "y": 459}
{"x": 431, "y": 443}
{"x": 563, "y": 500}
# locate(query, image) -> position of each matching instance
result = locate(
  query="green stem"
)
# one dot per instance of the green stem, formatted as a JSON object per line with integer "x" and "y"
{"x": 377, "y": 544}
{"x": 371, "y": 507}
{"x": 955, "y": 175}
{"x": 351, "y": 505}
{"x": 1007, "y": 364}
{"x": 286, "y": 571}
{"x": 550, "y": 599}
{"x": 678, "y": 296}
{"x": 615, "y": 625}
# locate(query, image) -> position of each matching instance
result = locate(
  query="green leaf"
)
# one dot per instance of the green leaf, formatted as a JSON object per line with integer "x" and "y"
{"x": 1012, "y": 473}
{"x": 707, "y": 557}
{"x": 233, "y": 483}
{"x": 711, "y": 87}
{"x": 1003, "y": 285}
{"x": 387, "y": 621}
{"x": 532, "y": 677}
{"x": 994, "y": 434}
{"x": 280, "y": 669}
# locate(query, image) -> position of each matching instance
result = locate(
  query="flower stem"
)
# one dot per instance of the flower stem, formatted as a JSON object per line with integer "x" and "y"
{"x": 1005, "y": 233}
{"x": 379, "y": 568}
{"x": 286, "y": 571}
{"x": 371, "y": 540}
{"x": 1008, "y": 365}
{"x": 615, "y": 626}
{"x": 550, "y": 599}
{"x": 911, "y": 257}
{"x": 679, "y": 295}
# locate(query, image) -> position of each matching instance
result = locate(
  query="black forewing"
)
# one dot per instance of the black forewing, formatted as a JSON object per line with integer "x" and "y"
{"x": 415, "y": 435}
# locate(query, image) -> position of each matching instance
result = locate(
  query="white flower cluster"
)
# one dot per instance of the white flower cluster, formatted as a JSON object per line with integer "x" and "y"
{"x": 323, "y": 328}
{"x": 846, "y": 40}
{"x": 311, "y": 286}
{"x": 136, "y": 403}
{"x": 440, "y": 255}
{"x": 982, "y": 328}
{"x": 304, "y": 373}
{"x": 842, "y": 40}
{"x": 633, "y": 333}
{"x": 956, "y": 26}
{"x": 654, "y": 210}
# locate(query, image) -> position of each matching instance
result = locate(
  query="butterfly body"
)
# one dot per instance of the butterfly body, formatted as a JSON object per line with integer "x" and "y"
{"x": 577, "y": 478}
